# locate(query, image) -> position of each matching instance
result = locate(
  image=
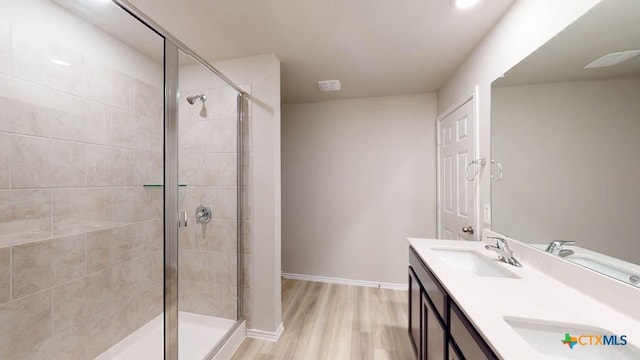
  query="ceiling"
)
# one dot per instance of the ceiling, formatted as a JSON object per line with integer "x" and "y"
{"x": 611, "y": 26}
{"x": 374, "y": 47}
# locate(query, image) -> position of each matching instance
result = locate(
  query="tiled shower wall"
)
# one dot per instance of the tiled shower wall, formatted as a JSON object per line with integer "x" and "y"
{"x": 208, "y": 166}
{"x": 80, "y": 236}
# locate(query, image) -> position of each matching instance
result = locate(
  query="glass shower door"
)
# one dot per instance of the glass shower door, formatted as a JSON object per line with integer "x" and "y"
{"x": 208, "y": 255}
{"x": 81, "y": 243}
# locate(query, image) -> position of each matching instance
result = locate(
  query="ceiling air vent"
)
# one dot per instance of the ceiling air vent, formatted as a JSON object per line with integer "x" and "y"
{"x": 613, "y": 59}
{"x": 329, "y": 85}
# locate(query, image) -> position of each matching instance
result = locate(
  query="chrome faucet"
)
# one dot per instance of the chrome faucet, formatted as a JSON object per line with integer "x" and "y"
{"x": 555, "y": 248}
{"x": 501, "y": 248}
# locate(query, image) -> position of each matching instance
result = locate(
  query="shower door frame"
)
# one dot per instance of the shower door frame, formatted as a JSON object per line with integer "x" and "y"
{"x": 172, "y": 216}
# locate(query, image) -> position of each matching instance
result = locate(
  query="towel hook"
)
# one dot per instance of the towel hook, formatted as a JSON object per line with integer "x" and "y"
{"x": 478, "y": 164}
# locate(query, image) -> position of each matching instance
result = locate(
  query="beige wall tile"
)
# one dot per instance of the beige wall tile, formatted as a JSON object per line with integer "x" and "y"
{"x": 31, "y": 56}
{"x": 208, "y": 266}
{"x": 148, "y": 168}
{"x": 40, "y": 265}
{"x": 5, "y": 159}
{"x": 66, "y": 344}
{"x": 221, "y": 199}
{"x": 149, "y": 100}
{"x": 25, "y": 325}
{"x": 130, "y": 131}
{"x": 217, "y": 235}
{"x": 81, "y": 210}
{"x": 219, "y": 169}
{"x": 123, "y": 281}
{"x": 5, "y": 280}
{"x": 149, "y": 304}
{"x": 109, "y": 247}
{"x": 110, "y": 326}
{"x": 122, "y": 165}
{"x": 46, "y": 163}
{"x": 4, "y": 46}
{"x": 97, "y": 162}
{"x": 109, "y": 86}
{"x": 98, "y": 292}
{"x": 24, "y": 215}
{"x": 208, "y": 299}
{"x": 148, "y": 237}
{"x": 157, "y": 135}
{"x": 136, "y": 203}
{"x": 194, "y": 136}
{"x": 221, "y": 136}
{"x": 147, "y": 271}
{"x": 190, "y": 167}
{"x": 228, "y": 103}
{"x": 69, "y": 304}
{"x": 35, "y": 110}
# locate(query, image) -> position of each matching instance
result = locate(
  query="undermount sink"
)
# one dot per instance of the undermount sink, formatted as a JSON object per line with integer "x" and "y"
{"x": 550, "y": 339}
{"x": 471, "y": 262}
{"x": 604, "y": 268}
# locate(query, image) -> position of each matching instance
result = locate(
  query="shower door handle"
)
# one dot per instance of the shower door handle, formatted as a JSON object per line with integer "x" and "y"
{"x": 182, "y": 219}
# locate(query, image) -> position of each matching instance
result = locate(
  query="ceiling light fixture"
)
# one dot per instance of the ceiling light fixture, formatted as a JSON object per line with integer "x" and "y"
{"x": 329, "y": 85}
{"x": 613, "y": 59}
{"x": 464, "y": 4}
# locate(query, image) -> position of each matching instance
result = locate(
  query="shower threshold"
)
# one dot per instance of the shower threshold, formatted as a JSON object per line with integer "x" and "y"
{"x": 197, "y": 335}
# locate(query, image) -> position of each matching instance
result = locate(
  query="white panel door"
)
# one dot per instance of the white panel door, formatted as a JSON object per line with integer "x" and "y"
{"x": 456, "y": 143}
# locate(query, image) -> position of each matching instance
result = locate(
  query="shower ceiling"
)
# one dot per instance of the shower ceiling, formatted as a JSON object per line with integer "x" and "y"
{"x": 375, "y": 48}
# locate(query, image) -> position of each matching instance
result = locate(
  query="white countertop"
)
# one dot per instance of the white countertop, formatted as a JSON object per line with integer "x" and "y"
{"x": 535, "y": 295}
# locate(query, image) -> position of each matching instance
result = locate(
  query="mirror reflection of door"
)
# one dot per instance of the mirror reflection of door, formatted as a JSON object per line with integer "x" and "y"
{"x": 456, "y": 193}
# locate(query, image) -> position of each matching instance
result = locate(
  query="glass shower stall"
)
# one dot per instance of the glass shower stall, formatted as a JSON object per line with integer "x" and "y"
{"x": 121, "y": 187}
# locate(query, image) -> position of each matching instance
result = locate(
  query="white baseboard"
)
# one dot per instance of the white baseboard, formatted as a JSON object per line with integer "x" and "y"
{"x": 330, "y": 280}
{"x": 266, "y": 335}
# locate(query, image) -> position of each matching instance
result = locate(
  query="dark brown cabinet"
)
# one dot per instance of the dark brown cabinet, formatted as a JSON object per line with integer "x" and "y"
{"x": 434, "y": 338}
{"x": 415, "y": 314}
{"x": 437, "y": 327}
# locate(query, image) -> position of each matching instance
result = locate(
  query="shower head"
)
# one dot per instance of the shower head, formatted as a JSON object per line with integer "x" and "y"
{"x": 202, "y": 97}
{"x": 192, "y": 99}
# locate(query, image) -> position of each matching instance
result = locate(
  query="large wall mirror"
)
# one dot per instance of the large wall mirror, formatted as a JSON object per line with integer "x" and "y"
{"x": 568, "y": 139}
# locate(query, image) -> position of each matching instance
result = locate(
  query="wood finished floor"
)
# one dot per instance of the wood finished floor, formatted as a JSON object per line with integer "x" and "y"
{"x": 336, "y": 322}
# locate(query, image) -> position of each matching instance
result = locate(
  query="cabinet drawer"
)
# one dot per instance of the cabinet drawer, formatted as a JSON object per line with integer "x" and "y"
{"x": 471, "y": 344}
{"x": 431, "y": 286}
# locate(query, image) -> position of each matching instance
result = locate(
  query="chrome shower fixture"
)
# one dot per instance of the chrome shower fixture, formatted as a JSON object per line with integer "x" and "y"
{"x": 202, "y": 97}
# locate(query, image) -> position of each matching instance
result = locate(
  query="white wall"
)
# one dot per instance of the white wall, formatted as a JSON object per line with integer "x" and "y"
{"x": 526, "y": 26}
{"x": 358, "y": 178}
{"x": 577, "y": 142}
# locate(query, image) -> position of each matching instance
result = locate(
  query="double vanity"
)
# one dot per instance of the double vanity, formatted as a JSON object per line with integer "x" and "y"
{"x": 465, "y": 303}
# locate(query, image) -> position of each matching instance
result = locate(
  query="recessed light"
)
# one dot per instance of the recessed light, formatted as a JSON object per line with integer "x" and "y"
{"x": 613, "y": 59}
{"x": 60, "y": 62}
{"x": 464, "y": 4}
{"x": 329, "y": 85}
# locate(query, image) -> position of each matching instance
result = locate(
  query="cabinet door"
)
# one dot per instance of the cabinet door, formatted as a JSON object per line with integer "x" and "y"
{"x": 467, "y": 338}
{"x": 434, "y": 336}
{"x": 415, "y": 314}
{"x": 453, "y": 353}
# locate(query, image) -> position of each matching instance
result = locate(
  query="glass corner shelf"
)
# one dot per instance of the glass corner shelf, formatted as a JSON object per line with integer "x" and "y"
{"x": 160, "y": 185}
